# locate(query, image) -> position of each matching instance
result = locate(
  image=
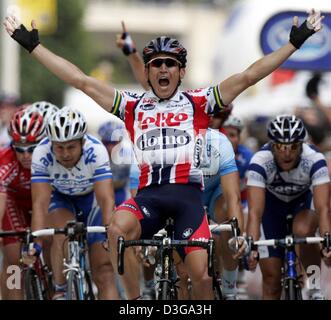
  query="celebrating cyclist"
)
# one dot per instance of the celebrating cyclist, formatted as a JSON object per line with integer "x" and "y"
{"x": 71, "y": 179}
{"x": 26, "y": 129}
{"x": 165, "y": 126}
{"x": 287, "y": 176}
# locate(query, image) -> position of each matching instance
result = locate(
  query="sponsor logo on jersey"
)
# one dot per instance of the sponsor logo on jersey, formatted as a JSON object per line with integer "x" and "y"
{"x": 187, "y": 232}
{"x": 168, "y": 119}
{"x": 166, "y": 138}
{"x": 145, "y": 211}
{"x": 147, "y": 107}
{"x": 198, "y": 149}
{"x": 128, "y": 205}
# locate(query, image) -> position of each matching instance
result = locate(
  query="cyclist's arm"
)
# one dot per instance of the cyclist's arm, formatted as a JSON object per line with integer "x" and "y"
{"x": 233, "y": 86}
{"x": 104, "y": 193}
{"x": 236, "y": 84}
{"x": 321, "y": 198}
{"x": 231, "y": 192}
{"x": 99, "y": 91}
{"x": 3, "y": 199}
{"x": 127, "y": 45}
{"x": 138, "y": 69}
{"x": 256, "y": 202}
{"x": 41, "y": 196}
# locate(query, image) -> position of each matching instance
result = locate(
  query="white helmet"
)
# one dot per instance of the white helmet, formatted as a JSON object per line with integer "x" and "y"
{"x": 46, "y": 109}
{"x": 65, "y": 125}
{"x": 234, "y": 122}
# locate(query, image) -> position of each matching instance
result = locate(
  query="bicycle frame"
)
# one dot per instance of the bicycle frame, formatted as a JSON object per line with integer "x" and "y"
{"x": 290, "y": 279}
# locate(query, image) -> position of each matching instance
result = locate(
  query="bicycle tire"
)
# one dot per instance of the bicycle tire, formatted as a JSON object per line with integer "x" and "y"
{"x": 32, "y": 285}
{"x": 218, "y": 295}
{"x": 165, "y": 291}
{"x": 73, "y": 283}
{"x": 293, "y": 291}
{"x": 88, "y": 295}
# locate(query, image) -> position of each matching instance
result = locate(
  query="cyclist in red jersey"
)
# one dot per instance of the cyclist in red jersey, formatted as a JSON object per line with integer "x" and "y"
{"x": 26, "y": 130}
{"x": 164, "y": 126}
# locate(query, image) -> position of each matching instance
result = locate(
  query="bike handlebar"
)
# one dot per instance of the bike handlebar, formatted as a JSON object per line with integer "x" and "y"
{"x": 288, "y": 241}
{"x": 164, "y": 243}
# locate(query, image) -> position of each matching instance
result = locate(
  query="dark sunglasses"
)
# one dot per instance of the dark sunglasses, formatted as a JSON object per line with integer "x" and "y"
{"x": 291, "y": 147}
{"x": 28, "y": 149}
{"x": 169, "y": 62}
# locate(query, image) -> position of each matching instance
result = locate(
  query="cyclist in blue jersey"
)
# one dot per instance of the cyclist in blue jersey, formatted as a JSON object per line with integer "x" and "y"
{"x": 122, "y": 161}
{"x": 232, "y": 129}
{"x": 221, "y": 177}
{"x": 71, "y": 179}
{"x": 287, "y": 176}
{"x": 166, "y": 126}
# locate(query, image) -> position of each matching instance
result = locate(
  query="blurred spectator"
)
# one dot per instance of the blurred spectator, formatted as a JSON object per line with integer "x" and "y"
{"x": 317, "y": 119}
{"x": 257, "y": 128}
{"x": 8, "y": 106}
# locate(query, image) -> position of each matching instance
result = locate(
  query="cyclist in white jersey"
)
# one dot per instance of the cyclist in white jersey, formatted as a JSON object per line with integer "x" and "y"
{"x": 71, "y": 179}
{"x": 287, "y": 176}
{"x": 165, "y": 127}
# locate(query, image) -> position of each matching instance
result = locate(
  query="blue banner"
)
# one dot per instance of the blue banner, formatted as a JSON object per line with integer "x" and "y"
{"x": 314, "y": 54}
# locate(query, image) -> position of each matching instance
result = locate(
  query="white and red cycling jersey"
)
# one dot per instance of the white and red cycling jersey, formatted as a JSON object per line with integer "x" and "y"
{"x": 15, "y": 182}
{"x": 168, "y": 134}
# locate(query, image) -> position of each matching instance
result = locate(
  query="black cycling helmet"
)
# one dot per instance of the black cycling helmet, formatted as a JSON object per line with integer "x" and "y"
{"x": 286, "y": 129}
{"x": 165, "y": 44}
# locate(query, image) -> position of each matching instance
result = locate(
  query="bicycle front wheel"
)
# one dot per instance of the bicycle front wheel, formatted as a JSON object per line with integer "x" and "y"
{"x": 293, "y": 290}
{"x": 32, "y": 285}
{"x": 74, "y": 286}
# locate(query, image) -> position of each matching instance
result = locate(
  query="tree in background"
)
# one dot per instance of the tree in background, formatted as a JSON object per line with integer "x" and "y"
{"x": 70, "y": 41}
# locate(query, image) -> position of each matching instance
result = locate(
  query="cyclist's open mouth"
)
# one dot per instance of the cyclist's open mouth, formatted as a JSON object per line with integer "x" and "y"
{"x": 164, "y": 82}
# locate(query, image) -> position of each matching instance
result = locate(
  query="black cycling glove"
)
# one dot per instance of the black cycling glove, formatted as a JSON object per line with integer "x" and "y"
{"x": 299, "y": 35}
{"x": 27, "y": 39}
{"x": 129, "y": 46}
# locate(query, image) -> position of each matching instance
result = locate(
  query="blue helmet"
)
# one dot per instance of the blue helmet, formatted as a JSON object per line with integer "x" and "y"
{"x": 111, "y": 132}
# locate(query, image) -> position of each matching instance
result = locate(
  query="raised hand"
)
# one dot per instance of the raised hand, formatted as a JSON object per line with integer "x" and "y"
{"x": 125, "y": 42}
{"x": 27, "y": 39}
{"x": 312, "y": 24}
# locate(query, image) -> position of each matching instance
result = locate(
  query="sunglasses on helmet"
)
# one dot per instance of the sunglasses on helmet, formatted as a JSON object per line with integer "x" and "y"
{"x": 21, "y": 149}
{"x": 169, "y": 62}
{"x": 282, "y": 147}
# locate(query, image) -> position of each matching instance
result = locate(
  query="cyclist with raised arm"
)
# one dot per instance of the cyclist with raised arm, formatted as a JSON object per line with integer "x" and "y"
{"x": 26, "y": 129}
{"x": 287, "y": 176}
{"x": 71, "y": 179}
{"x": 165, "y": 126}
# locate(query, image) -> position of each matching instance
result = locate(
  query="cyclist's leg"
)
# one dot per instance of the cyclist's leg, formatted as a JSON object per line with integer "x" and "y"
{"x": 271, "y": 275}
{"x": 102, "y": 270}
{"x": 15, "y": 218}
{"x": 125, "y": 224}
{"x": 196, "y": 264}
{"x": 305, "y": 224}
{"x": 12, "y": 255}
{"x": 273, "y": 227}
{"x": 229, "y": 265}
{"x": 58, "y": 219}
{"x": 131, "y": 222}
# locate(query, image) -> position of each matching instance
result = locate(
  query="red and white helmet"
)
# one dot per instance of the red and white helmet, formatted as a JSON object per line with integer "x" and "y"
{"x": 27, "y": 126}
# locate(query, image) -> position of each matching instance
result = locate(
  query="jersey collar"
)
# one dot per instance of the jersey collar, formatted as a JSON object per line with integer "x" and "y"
{"x": 151, "y": 95}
